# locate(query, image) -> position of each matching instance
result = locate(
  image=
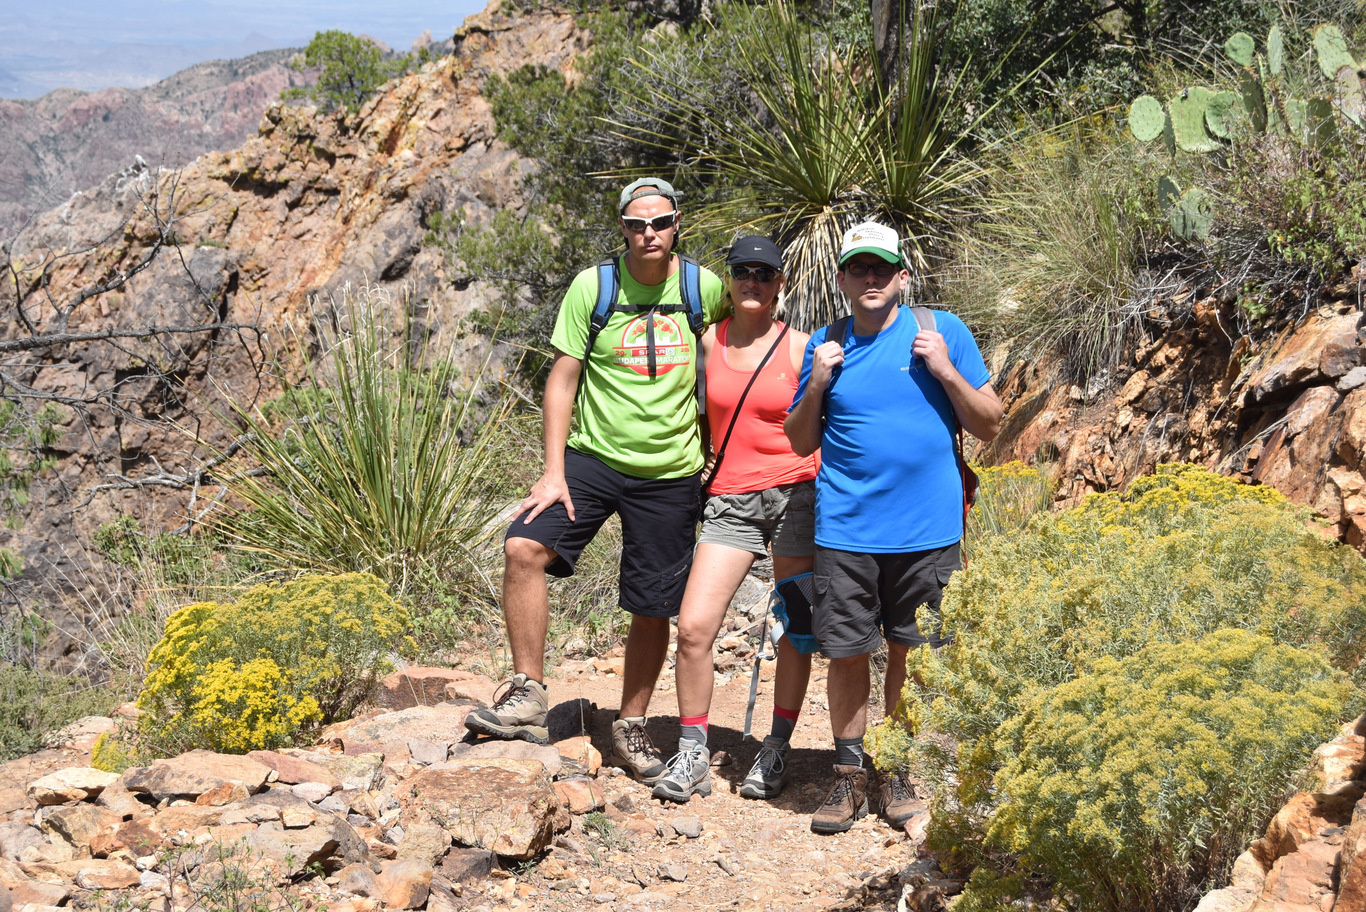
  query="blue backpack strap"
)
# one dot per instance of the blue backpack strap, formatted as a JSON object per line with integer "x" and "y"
{"x": 609, "y": 285}
{"x": 690, "y": 288}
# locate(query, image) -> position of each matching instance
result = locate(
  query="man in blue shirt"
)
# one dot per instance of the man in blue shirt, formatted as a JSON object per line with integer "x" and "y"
{"x": 883, "y": 404}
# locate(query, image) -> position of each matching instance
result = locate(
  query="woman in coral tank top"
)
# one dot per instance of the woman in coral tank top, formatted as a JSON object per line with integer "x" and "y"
{"x": 762, "y": 495}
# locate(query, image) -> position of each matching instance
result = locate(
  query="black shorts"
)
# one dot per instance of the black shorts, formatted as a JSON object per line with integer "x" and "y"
{"x": 860, "y": 598}
{"x": 658, "y": 530}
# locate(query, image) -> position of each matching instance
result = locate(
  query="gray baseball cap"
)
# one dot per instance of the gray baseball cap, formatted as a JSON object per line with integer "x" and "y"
{"x": 647, "y": 186}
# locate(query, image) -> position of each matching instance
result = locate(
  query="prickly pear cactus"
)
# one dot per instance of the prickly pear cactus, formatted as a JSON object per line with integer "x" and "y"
{"x": 1147, "y": 120}
{"x": 1240, "y": 48}
{"x": 1187, "y": 112}
{"x": 1222, "y": 113}
{"x": 1192, "y": 216}
{"x": 1275, "y": 50}
{"x": 1331, "y": 47}
{"x": 1168, "y": 192}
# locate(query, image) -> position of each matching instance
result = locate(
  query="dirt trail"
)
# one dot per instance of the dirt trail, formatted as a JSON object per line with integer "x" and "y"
{"x": 749, "y": 854}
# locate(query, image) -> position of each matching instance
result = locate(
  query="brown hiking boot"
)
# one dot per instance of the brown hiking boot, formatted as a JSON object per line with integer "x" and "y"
{"x": 634, "y": 752}
{"x": 847, "y": 801}
{"x": 897, "y": 798}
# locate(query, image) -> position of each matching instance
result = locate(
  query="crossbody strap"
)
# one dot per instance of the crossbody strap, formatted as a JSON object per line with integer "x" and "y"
{"x": 721, "y": 452}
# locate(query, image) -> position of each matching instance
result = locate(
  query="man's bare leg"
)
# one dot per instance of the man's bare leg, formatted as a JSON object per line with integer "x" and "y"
{"x": 647, "y": 643}
{"x": 847, "y": 687}
{"x": 526, "y": 604}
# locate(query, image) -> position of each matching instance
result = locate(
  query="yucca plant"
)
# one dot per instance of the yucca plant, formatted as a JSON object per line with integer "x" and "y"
{"x": 817, "y": 143}
{"x": 378, "y": 464}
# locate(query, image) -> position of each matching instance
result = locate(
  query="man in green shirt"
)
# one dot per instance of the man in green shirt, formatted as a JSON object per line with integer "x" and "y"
{"x": 636, "y": 452}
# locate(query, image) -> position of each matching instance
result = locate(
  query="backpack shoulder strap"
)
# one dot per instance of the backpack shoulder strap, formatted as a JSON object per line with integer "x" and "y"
{"x": 924, "y": 318}
{"x": 609, "y": 285}
{"x": 836, "y": 331}
{"x": 690, "y": 288}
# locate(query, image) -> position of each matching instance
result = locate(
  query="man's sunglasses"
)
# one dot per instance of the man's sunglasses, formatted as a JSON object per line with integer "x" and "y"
{"x": 881, "y": 270}
{"x": 760, "y": 273}
{"x": 658, "y": 223}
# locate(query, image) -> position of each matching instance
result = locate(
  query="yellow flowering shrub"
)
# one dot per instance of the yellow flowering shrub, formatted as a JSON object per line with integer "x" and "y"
{"x": 1008, "y": 496}
{"x": 251, "y": 674}
{"x": 1137, "y": 785}
{"x": 1180, "y": 555}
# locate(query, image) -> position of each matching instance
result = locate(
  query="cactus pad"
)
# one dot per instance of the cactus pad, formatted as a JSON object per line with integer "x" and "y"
{"x": 1222, "y": 113}
{"x": 1240, "y": 48}
{"x": 1187, "y": 113}
{"x": 1331, "y": 47}
{"x": 1168, "y": 193}
{"x": 1146, "y": 118}
{"x": 1192, "y": 216}
{"x": 1352, "y": 96}
{"x": 1275, "y": 50}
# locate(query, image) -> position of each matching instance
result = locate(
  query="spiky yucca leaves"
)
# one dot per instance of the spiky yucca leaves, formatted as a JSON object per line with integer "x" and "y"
{"x": 817, "y": 144}
{"x": 377, "y": 465}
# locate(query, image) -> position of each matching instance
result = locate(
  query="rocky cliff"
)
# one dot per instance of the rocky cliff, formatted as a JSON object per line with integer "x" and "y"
{"x": 69, "y": 140}
{"x": 1282, "y": 407}
{"x": 304, "y": 207}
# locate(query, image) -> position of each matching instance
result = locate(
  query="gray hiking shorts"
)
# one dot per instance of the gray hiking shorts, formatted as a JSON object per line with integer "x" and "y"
{"x": 784, "y": 516}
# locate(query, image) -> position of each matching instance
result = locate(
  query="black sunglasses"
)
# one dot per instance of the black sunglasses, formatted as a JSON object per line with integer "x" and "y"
{"x": 881, "y": 270}
{"x": 760, "y": 273}
{"x": 658, "y": 223}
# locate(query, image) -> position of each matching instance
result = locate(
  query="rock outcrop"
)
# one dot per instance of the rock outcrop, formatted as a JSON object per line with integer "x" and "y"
{"x": 306, "y": 207}
{"x": 1286, "y": 410}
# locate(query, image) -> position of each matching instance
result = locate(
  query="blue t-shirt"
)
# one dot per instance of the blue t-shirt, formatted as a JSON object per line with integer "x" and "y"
{"x": 889, "y": 481}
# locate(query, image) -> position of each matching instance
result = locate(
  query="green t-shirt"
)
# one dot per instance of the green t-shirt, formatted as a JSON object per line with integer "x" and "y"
{"x": 643, "y": 427}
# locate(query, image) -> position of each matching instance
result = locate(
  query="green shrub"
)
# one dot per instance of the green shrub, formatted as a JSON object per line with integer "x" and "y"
{"x": 253, "y": 673}
{"x": 1008, "y": 496}
{"x": 384, "y": 463}
{"x": 35, "y": 703}
{"x": 352, "y": 69}
{"x": 1136, "y": 785}
{"x": 1182, "y": 554}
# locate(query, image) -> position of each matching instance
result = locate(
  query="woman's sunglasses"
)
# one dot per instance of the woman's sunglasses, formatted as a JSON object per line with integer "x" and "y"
{"x": 658, "y": 223}
{"x": 760, "y": 273}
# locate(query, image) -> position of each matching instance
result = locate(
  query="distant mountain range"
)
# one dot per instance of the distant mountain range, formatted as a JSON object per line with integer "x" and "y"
{"x": 70, "y": 140}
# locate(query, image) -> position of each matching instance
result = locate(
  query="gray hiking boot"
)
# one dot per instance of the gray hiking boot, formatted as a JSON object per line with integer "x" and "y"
{"x": 517, "y": 714}
{"x": 766, "y": 777}
{"x": 633, "y": 751}
{"x": 689, "y": 773}
{"x": 846, "y": 803}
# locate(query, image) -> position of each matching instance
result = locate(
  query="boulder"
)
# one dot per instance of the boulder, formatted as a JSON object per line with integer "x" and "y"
{"x": 16, "y": 837}
{"x": 1301, "y": 878}
{"x": 295, "y": 770}
{"x": 580, "y": 751}
{"x": 195, "y": 773}
{"x": 421, "y": 686}
{"x": 6, "y": 904}
{"x": 580, "y": 794}
{"x": 544, "y": 754}
{"x": 461, "y": 864}
{"x": 358, "y": 879}
{"x": 330, "y": 842}
{"x": 1298, "y": 823}
{"x": 505, "y": 806}
{"x": 136, "y": 837}
{"x": 107, "y": 875}
{"x": 1352, "y": 863}
{"x": 423, "y": 842}
{"x": 14, "y": 799}
{"x": 358, "y": 771}
{"x": 74, "y": 784}
{"x": 81, "y": 823}
{"x": 38, "y": 893}
{"x": 391, "y": 731}
{"x": 405, "y": 883}
{"x": 118, "y": 799}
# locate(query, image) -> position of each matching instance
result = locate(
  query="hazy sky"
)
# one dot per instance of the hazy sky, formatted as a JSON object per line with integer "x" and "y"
{"x": 94, "y": 44}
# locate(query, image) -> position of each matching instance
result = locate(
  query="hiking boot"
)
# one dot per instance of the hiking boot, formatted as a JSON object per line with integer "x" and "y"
{"x": 633, "y": 751}
{"x": 766, "y": 777}
{"x": 689, "y": 773}
{"x": 847, "y": 801}
{"x": 897, "y": 797}
{"x": 517, "y": 714}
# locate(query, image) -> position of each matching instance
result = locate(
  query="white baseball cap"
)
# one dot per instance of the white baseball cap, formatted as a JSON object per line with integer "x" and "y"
{"x": 870, "y": 237}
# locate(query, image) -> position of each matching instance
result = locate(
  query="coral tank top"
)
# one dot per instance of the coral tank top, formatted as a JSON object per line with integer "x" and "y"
{"x": 758, "y": 455}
